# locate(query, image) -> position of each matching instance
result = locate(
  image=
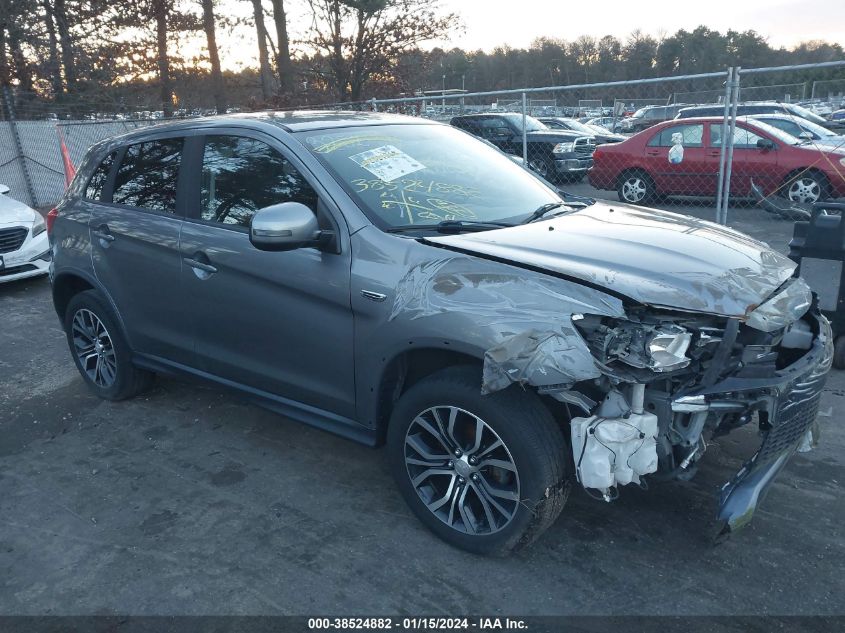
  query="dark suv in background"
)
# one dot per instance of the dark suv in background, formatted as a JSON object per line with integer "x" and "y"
{"x": 556, "y": 155}
{"x": 749, "y": 109}
{"x": 646, "y": 117}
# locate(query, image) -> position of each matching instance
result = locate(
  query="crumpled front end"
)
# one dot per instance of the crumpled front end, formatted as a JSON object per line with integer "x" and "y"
{"x": 769, "y": 368}
{"x": 643, "y": 386}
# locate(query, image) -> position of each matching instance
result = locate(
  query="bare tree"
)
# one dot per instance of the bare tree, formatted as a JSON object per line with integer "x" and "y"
{"x": 362, "y": 38}
{"x": 265, "y": 73}
{"x": 284, "y": 66}
{"x": 208, "y": 25}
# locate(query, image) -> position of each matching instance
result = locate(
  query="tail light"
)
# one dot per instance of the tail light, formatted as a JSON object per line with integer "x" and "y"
{"x": 51, "y": 217}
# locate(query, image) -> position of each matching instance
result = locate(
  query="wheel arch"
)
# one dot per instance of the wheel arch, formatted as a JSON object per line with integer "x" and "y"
{"x": 823, "y": 177}
{"x": 408, "y": 367}
{"x": 67, "y": 284}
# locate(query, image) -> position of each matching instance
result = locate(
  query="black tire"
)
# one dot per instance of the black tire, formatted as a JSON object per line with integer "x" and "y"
{"x": 530, "y": 436}
{"x": 839, "y": 352}
{"x": 636, "y": 187}
{"x": 124, "y": 379}
{"x": 805, "y": 187}
{"x": 543, "y": 167}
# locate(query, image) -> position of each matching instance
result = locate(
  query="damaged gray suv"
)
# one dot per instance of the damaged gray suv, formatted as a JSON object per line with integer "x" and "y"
{"x": 398, "y": 281}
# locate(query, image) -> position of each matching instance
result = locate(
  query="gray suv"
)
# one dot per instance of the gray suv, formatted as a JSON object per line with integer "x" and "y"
{"x": 398, "y": 281}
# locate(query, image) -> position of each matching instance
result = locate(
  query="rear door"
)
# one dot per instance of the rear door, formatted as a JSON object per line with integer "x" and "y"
{"x": 134, "y": 231}
{"x": 278, "y": 322}
{"x": 688, "y": 169}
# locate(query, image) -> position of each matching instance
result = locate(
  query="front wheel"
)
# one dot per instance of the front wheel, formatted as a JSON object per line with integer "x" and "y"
{"x": 486, "y": 474}
{"x": 542, "y": 167}
{"x": 807, "y": 188}
{"x": 635, "y": 188}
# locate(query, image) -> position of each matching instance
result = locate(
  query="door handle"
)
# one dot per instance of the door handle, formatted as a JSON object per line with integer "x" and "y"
{"x": 652, "y": 153}
{"x": 198, "y": 265}
{"x": 102, "y": 233}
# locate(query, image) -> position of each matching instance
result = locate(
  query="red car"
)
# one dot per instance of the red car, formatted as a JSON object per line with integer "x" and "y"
{"x": 651, "y": 163}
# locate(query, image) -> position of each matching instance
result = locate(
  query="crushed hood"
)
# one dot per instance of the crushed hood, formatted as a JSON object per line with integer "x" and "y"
{"x": 654, "y": 257}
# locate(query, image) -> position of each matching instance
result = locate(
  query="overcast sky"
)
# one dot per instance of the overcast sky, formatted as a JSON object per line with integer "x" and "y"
{"x": 490, "y": 23}
{"x": 517, "y": 22}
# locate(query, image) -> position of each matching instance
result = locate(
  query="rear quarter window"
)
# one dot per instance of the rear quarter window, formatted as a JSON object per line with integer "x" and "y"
{"x": 148, "y": 175}
{"x": 97, "y": 183}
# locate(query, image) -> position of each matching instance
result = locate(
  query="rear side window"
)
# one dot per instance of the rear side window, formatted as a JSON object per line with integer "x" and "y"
{"x": 148, "y": 175}
{"x": 692, "y": 136}
{"x": 242, "y": 175}
{"x": 98, "y": 180}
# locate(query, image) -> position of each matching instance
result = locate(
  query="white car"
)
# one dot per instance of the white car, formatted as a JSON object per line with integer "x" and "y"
{"x": 24, "y": 249}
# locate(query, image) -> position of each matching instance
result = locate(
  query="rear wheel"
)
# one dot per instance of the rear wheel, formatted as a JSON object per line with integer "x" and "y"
{"x": 99, "y": 349}
{"x": 485, "y": 473}
{"x": 635, "y": 187}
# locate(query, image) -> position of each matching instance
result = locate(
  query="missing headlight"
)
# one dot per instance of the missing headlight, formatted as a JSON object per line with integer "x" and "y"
{"x": 659, "y": 347}
{"x": 668, "y": 347}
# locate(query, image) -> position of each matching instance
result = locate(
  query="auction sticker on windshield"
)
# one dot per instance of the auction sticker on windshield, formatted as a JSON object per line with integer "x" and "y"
{"x": 387, "y": 162}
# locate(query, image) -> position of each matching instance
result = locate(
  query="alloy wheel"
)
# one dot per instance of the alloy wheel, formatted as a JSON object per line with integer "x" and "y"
{"x": 805, "y": 189}
{"x": 462, "y": 470}
{"x": 634, "y": 189}
{"x": 539, "y": 166}
{"x": 94, "y": 348}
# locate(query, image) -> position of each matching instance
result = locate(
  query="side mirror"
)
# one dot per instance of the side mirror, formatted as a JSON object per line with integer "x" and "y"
{"x": 4, "y": 189}
{"x": 285, "y": 227}
{"x": 765, "y": 144}
{"x": 806, "y": 135}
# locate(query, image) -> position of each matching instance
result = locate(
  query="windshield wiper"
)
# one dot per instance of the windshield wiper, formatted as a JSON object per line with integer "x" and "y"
{"x": 450, "y": 226}
{"x": 542, "y": 210}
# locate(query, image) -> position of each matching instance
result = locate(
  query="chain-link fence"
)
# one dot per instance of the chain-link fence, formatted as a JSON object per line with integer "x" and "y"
{"x": 678, "y": 142}
{"x": 641, "y": 141}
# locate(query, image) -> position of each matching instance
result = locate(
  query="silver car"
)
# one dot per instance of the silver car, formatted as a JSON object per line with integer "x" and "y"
{"x": 398, "y": 282}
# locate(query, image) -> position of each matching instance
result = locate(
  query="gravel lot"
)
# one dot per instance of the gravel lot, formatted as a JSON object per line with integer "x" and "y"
{"x": 190, "y": 501}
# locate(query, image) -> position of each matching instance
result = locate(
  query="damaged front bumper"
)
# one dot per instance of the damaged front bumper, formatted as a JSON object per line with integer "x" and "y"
{"x": 787, "y": 404}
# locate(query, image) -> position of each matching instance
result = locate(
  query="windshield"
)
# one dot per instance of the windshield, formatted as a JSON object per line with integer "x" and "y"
{"x": 803, "y": 124}
{"x": 426, "y": 174}
{"x": 771, "y": 130}
{"x": 531, "y": 124}
{"x": 577, "y": 126}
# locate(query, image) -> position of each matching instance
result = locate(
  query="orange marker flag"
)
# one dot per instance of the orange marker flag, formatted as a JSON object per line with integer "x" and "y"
{"x": 70, "y": 170}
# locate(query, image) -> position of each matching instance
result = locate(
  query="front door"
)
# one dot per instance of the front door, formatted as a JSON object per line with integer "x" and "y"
{"x": 278, "y": 322}
{"x": 134, "y": 230}
{"x": 750, "y": 162}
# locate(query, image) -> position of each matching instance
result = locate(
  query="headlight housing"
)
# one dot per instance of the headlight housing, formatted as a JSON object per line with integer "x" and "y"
{"x": 660, "y": 347}
{"x": 39, "y": 226}
{"x": 563, "y": 148}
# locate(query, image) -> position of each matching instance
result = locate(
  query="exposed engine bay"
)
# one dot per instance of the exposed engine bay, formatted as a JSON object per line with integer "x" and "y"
{"x": 672, "y": 382}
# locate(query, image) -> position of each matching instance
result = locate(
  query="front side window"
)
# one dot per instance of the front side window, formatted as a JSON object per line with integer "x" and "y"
{"x": 425, "y": 174}
{"x": 99, "y": 178}
{"x": 242, "y": 175}
{"x": 691, "y": 135}
{"x": 743, "y": 138}
{"x": 148, "y": 175}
